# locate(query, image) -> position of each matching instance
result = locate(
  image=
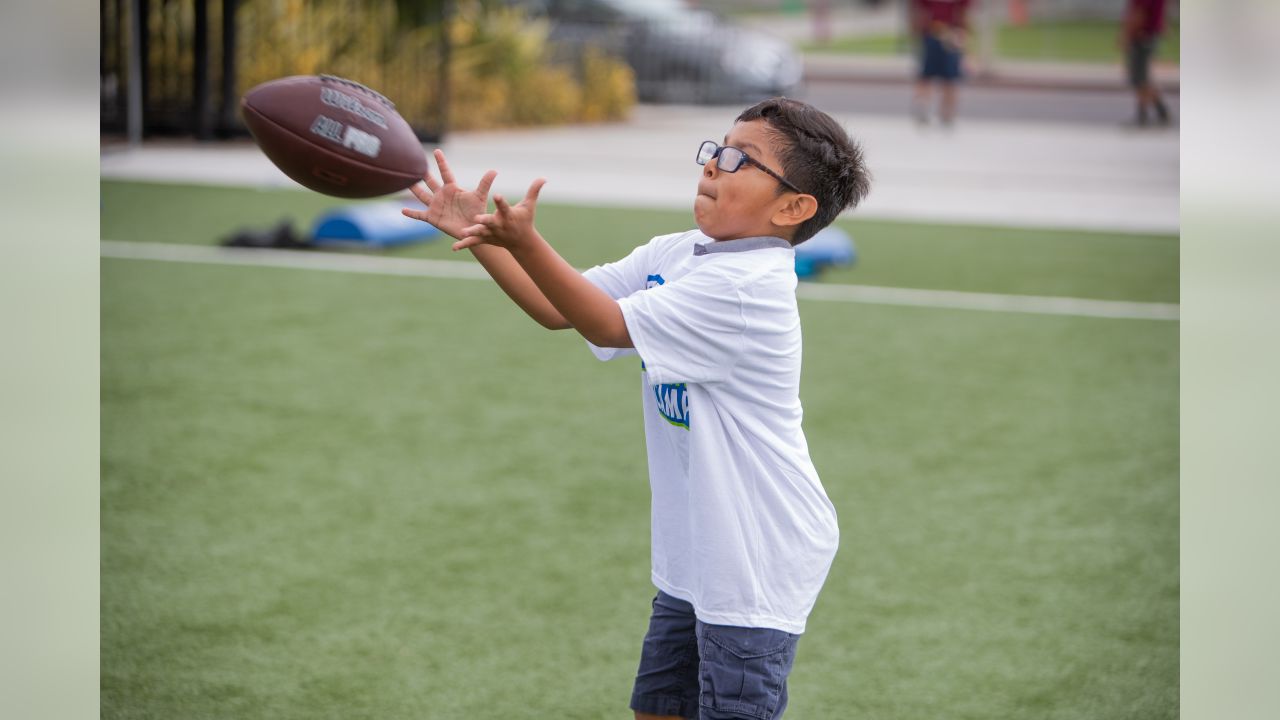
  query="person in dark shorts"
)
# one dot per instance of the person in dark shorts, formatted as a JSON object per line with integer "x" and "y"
{"x": 742, "y": 531}
{"x": 942, "y": 27}
{"x": 1144, "y": 22}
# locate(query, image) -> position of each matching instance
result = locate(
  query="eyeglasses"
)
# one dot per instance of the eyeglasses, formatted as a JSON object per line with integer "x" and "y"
{"x": 731, "y": 159}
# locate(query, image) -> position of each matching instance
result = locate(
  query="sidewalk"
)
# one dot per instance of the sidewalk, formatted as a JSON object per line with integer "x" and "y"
{"x": 982, "y": 172}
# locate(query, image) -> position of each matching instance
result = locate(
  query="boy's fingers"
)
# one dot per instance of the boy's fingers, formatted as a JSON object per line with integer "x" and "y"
{"x": 430, "y": 180}
{"x": 483, "y": 188}
{"x": 501, "y": 204}
{"x": 445, "y": 173}
{"x": 468, "y": 241}
{"x": 422, "y": 192}
{"x": 532, "y": 196}
{"x": 415, "y": 214}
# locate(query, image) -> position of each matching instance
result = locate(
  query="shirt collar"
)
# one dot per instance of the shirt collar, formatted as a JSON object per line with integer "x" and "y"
{"x": 741, "y": 245}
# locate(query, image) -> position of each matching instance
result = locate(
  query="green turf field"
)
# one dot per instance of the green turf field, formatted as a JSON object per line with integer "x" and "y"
{"x": 1106, "y": 266}
{"x": 331, "y": 495}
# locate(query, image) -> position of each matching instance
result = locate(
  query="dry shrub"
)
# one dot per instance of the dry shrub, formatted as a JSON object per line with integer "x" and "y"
{"x": 500, "y": 73}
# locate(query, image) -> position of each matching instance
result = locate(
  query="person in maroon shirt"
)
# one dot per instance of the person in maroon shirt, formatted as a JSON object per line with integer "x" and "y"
{"x": 1139, "y": 36}
{"x": 942, "y": 28}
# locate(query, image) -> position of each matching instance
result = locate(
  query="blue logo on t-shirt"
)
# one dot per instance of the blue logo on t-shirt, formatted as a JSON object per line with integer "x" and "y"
{"x": 673, "y": 404}
{"x": 673, "y": 401}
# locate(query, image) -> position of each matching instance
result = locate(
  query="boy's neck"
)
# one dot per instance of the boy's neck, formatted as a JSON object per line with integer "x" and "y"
{"x": 756, "y": 235}
{"x": 757, "y": 242}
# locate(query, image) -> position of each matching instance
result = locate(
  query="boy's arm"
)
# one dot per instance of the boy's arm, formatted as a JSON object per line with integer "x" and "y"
{"x": 1129, "y": 27}
{"x": 590, "y": 311}
{"x": 916, "y": 18}
{"x": 452, "y": 209}
{"x": 518, "y": 286}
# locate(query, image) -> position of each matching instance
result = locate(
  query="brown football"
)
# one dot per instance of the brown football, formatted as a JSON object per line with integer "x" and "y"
{"x": 334, "y": 136}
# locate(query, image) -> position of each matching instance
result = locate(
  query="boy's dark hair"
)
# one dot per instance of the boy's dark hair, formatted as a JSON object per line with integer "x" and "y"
{"x": 817, "y": 155}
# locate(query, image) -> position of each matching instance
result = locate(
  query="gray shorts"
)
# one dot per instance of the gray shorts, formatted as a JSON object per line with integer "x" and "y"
{"x": 1138, "y": 61}
{"x": 711, "y": 672}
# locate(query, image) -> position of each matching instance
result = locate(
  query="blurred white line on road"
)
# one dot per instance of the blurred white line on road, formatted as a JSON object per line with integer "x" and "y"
{"x": 416, "y": 267}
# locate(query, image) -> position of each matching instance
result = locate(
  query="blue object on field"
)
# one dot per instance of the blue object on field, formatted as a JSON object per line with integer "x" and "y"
{"x": 831, "y": 246}
{"x": 371, "y": 224}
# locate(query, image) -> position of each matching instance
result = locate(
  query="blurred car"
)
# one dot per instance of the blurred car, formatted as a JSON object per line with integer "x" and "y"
{"x": 678, "y": 54}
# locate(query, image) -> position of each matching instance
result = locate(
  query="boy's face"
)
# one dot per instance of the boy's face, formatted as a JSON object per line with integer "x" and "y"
{"x": 744, "y": 203}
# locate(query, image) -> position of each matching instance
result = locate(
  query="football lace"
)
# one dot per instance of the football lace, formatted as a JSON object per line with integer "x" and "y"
{"x": 381, "y": 98}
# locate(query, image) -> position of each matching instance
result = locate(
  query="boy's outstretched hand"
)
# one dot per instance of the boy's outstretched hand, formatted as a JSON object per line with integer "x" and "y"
{"x": 450, "y": 207}
{"x": 510, "y": 227}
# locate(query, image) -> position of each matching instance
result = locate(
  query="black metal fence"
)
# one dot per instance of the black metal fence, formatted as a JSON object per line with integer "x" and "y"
{"x": 196, "y": 58}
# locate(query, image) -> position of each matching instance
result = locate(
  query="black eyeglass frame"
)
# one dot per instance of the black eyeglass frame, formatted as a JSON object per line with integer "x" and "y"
{"x": 716, "y": 155}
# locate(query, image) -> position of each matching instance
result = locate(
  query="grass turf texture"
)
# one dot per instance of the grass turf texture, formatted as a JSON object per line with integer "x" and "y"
{"x": 1078, "y": 41}
{"x": 1105, "y": 266}
{"x": 331, "y": 495}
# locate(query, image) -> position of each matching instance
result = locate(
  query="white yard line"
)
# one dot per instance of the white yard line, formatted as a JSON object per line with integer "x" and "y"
{"x": 1079, "y": 307}
{"x": 296, "y": 259}
{"x": 374, "y": 265}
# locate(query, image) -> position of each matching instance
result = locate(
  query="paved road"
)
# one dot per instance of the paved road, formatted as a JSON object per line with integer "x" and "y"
{"x": 1097, "y": 107}
{"x": 982, "y": 171}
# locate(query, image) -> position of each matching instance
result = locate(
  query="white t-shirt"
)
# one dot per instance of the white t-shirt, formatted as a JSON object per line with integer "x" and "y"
{"x": 742, "y": 527}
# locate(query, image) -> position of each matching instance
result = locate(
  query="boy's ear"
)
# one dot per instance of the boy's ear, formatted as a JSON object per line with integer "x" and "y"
{"x": 798, "y": 209}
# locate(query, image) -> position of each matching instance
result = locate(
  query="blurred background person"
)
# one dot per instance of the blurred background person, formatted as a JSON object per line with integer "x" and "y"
{"x": 942, "y": 28}
{"x": 1139, "y": 36}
